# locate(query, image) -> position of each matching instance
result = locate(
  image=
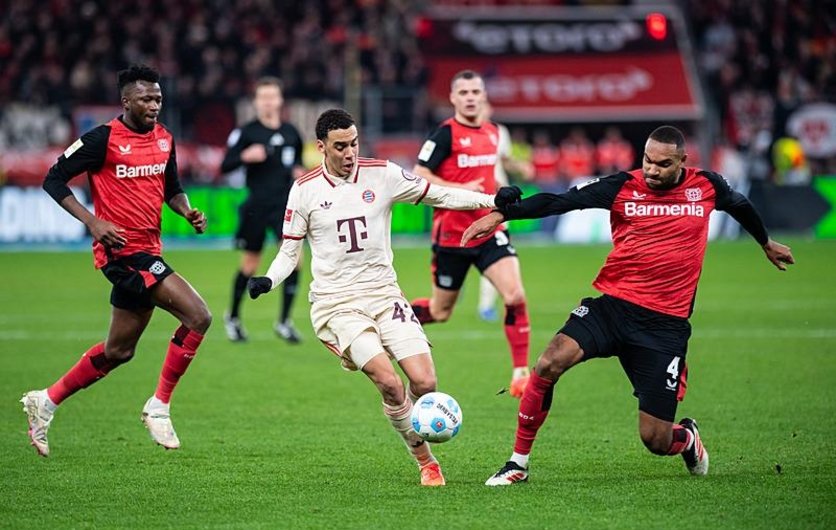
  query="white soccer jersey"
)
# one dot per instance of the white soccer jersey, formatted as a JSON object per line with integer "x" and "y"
{"x": 347, "y": 223}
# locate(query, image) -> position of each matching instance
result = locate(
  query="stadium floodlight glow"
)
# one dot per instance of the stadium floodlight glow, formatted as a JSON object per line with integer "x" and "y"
{"x": 657, "y": 25}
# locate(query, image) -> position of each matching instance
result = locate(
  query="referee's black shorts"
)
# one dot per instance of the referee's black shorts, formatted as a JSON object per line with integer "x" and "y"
{"x": 253, "y": 222}
{"x": 650, "y": 345}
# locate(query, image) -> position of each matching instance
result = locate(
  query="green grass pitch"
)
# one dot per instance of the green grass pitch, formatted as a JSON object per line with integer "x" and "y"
{"x": 276, "y": 436}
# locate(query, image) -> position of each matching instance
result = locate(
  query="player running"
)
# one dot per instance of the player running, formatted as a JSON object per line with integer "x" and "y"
{"x": 659, "y": 216}
{"x": 462, "y": 152}
{"x": 132, "y": 166}
{"x": 344, "y": 209}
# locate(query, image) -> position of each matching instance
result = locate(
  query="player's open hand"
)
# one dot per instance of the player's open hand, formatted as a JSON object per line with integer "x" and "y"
{"x": 259, "y": 285}
{"x": 197, "y": 219}
{"x": 107, "y": 233}
{"x": 778, "y": 254}
{"x": 482, "y": 227}
{"x": 507, "y": 195}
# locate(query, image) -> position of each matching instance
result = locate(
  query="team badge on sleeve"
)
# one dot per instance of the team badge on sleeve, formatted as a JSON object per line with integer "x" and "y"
{"x": 411, "y": 177}
{"x": 73, "y": 148}
{"x": 288, "y": 215}
{"x": 426, "y": 151}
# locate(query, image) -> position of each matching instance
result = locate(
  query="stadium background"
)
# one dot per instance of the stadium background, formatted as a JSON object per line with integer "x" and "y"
{"x": 266, "y": 427}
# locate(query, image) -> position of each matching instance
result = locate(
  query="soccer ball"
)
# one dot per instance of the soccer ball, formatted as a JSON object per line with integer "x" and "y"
{"x": 436, "y": 417}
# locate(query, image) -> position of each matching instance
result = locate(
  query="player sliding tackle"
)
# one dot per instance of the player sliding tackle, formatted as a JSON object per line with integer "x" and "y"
{"x": 659, "y": 217}
{"x": 344, "y": 209}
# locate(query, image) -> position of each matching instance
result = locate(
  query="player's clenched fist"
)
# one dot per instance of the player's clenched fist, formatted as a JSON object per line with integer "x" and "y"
{"x": 197, "y": 220}
{"x": 507, "y": 195}
{"x": 258, "y": 285}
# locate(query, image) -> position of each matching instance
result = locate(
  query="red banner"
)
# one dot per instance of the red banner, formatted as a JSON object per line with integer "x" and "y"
{"x": 613, "y": 87}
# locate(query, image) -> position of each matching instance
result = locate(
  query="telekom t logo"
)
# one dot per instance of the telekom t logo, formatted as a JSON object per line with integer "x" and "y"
{"x": 353, "y": 232}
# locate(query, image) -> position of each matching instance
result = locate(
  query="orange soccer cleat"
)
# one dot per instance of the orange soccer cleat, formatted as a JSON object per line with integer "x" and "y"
{"x": 518, "y": 382}
{"x": 431, "y": 475}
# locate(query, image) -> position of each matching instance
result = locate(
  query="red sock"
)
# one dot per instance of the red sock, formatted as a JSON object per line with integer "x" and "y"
{"x": 421, "y": 308}
{"x": 518, "y": 331}
{"x": 181, "y": 351}
{"x": 681, "y": 440}
{"x": 92, "y": 366}
{"x": 534, "y": 407}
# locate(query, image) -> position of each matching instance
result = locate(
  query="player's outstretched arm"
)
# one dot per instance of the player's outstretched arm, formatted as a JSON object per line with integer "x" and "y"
{"x": 778, "y": 254}
{"x": 482, "y": 227}
{"x": 284, "y": 264}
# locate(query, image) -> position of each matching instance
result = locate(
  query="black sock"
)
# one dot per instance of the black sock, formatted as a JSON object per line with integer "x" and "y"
{"x": 239, "y": 287}
{"x": 289, "y": 293}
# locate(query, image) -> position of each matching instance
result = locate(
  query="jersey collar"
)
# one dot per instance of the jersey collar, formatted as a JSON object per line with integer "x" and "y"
{"x": 336, "y": 181}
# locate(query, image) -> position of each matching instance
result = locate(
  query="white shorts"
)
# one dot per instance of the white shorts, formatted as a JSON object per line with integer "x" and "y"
{"x": 339, "y": 320}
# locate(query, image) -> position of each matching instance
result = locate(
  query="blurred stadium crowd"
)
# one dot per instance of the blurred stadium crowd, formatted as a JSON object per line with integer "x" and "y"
{"x": 758, "y": 61}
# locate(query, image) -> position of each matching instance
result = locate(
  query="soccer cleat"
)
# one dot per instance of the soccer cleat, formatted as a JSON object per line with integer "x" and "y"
{"x": 489, "y": 314}
{"x": 519, "y": 380}
{"x": 234, "y": 328}
{"x": 286, "y": 331}
{"x": 696, "y": 458}
{"x": 39, "y": 419}
{"x": 158, "y": 422}
{"x": 510, "y": 473}
{"x": 431, "y": 475}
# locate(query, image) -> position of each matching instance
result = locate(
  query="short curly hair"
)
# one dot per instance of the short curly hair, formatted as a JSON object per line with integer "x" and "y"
{"x": 136, "y": 72}
{"x": 332, "y": 120}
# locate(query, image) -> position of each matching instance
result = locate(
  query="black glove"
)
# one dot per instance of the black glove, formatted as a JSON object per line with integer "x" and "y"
{"x": 507, "y": 195}
{"x": 258, "y": 285}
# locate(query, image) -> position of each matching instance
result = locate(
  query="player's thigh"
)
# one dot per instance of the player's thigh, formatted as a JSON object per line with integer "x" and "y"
{"x": 420, "y": 371}
{"x": 126, "y": 327}
{"x": 400, "y": 332}
{"x": 504, "y": 274}
{"x": 449, "y": 268}
{"x": 252, "y": 228}
{"x": 178, "y": 297}
{"x": 593, "y": 325}
{"x": 659, "y": 380}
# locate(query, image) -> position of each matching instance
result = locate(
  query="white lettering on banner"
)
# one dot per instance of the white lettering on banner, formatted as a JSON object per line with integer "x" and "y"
{"x": 617, "y": 86}
{"x": 465, "y": 160}
{"x": 28, "y": 215}
{"x": 632, "y": 209}
{"x": 547, "y": 37}
{"x": 148, "y": 170}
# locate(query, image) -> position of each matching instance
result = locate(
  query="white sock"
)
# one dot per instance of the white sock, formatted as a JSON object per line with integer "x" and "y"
{"x": 520, "y": 371}
{"x": 487, "y": 294}
{"x": 155, "y": 403}
{"x": 520, "y": 460}
{"x": 400, "y": 418}
{"x": 48, "y": 404}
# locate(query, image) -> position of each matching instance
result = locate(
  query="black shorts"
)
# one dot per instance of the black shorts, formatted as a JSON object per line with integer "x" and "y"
{"x": 650, "y": 345}
{"x": 253, "y": 222}
{"x": 133, "y": 277}
{"x": 450, "y": 264}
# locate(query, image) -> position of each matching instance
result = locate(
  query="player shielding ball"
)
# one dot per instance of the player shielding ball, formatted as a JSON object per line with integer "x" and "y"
{"x": 132, "y": 166}
{"x": 344, "y": 209}
{"x": 659, "y": 216}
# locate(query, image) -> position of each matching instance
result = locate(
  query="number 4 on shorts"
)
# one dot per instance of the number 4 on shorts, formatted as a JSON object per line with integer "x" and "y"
{"x": 399, "y": 313}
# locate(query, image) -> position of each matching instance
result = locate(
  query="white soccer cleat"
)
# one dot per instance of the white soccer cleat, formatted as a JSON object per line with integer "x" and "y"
{"x": 234, "y": 329}
{"x": 511, "y": 473}
{"x": 39, "y": 419}
{"x": 287, "y": 331}
{"x": 696, "y": 458}
{"x": 158, "y": 422}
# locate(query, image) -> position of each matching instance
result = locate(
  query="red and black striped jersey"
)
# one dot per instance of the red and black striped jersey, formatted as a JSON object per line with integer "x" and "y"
{"x": 659, "y": 236}
{"x": 460, "y": 153}
{"x": 131, "y": 174}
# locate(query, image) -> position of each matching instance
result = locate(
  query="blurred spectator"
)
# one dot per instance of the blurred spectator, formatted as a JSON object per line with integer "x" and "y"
{"x": 613, "y": 153}
{"x": 545, "y": 157}
{"x": 577, "y": 156}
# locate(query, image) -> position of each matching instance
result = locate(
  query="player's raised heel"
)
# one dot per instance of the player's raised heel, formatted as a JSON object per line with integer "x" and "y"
{"x": 158, "y": 422}
{"x": 431, "y": 475}
{"x": 39, "y": 419}
{"x": 511, "y": 473}
{"x": 287, "y": 331}
{"x": 696, "y": 458}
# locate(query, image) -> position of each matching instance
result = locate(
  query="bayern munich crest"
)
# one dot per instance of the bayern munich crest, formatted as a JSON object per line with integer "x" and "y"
{"x": 693, "y": 194}
{"x": 163, "y": 144}
{"x": 368, "y": 196}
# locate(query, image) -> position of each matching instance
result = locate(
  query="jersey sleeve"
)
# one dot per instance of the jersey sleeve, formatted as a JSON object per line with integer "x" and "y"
{"x": 172, "y": 178}
{"x": 405, "y": 186}
{"x": 738, "y": 206}
{"x": 87, "y": 154}
{"x": 295, "y": 216}
{"x": 436, "y": 148}
{"x": 595, "y": 193}
{"x": 234, "y": 146}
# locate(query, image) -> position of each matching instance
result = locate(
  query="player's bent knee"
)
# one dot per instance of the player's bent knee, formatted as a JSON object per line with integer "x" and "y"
{"x": 118, "y": 355}
{"x": 423, "y": 384}
{"x": 200, "y": 320}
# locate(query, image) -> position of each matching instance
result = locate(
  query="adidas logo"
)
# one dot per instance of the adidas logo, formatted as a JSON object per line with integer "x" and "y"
{"x": 326, "y": 205}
